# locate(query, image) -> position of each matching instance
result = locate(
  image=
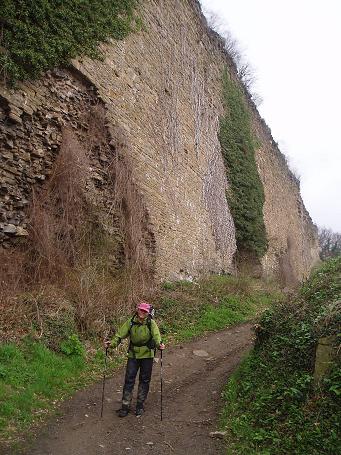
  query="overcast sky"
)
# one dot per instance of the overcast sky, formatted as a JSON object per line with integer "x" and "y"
{"x": 294, "y": 47}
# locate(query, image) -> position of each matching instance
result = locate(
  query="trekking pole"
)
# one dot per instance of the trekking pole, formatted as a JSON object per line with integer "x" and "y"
{"x": 105, "y": 369}
{"x": 161, "y": 379}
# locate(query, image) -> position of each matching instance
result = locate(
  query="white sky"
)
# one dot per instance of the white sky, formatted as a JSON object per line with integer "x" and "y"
{"x": 295, "y": 48}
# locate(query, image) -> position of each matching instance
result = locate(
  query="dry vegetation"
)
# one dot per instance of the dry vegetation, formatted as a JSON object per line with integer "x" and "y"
{"x": 78, "y": 267}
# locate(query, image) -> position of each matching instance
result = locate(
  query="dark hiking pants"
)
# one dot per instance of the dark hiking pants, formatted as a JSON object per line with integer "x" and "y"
{"x": 133, "y": 365}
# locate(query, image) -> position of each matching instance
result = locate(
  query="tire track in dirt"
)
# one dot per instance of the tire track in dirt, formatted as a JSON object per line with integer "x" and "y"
{"x": 191, "y": 398}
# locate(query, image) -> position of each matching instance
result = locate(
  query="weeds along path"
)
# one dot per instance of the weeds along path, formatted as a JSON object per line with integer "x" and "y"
{"x": 192, "y": 385}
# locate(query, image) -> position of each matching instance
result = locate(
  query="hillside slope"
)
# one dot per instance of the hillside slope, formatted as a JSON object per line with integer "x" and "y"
{"x": 279, "y": 402}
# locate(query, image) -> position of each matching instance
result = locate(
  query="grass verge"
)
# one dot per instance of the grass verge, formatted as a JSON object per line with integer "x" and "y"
{"x": 34, "y": 380}
{"x": 187, "y": 310}
{"x": 273, "y": 403}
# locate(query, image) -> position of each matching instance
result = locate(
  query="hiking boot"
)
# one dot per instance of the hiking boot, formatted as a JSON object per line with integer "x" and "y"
{"x": 139, "y": 410}
{"x": 123, "y": 412}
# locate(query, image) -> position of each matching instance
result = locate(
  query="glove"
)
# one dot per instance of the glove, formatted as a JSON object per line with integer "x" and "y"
{"x": 107, "y": 343}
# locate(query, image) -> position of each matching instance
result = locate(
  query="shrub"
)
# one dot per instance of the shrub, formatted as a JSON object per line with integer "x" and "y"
{"x": 41, "y": 34}
{"x": 72, "y": 346}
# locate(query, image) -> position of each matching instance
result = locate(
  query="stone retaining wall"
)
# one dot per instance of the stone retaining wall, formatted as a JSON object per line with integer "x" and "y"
{"x": 162, "y": 91}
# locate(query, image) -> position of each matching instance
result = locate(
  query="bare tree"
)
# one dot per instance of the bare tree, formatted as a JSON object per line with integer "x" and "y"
{"x": 246, "y": 75}
{"x": 330, "y": 243}
{"x": 245, "y": 71}
{"x": 230, "y": 43}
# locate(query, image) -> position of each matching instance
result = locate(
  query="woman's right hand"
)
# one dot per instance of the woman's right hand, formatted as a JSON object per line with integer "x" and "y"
{"x": 107, "y": 344}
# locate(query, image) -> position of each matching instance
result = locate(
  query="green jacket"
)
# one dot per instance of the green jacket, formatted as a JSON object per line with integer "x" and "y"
{"x": 139, "y": 334}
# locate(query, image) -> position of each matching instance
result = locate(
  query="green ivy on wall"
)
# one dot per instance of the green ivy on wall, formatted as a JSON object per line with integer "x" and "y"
{"x": 246, "y": 195}
{"x": 39, "y": 34}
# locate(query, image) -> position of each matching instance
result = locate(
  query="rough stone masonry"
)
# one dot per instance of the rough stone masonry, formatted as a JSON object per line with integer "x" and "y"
{"x": 161, "y": 88}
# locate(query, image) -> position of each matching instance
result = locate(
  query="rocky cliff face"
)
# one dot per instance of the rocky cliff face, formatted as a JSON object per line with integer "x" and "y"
{"x": 292, "y": 236}
{"x": 161, "y": 91}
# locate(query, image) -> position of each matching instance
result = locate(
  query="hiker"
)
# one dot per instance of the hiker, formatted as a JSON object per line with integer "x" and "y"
{"x": 145, "y": 338}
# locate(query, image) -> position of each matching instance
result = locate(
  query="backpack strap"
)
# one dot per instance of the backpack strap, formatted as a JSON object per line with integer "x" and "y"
{"x": 131, "y": 346}
{"x": 150, "y": 343}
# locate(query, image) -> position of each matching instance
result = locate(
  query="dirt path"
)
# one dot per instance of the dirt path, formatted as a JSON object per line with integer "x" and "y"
{"x": 192, "y": 385}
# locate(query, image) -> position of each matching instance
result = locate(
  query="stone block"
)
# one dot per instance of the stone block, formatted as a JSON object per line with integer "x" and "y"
{"x": 21, "y": 232}
{"x": 38, "y": 152}
{"x": 325, "y": 355}
{"x": 9, "y": 229}
{"x": 7, "y": 155}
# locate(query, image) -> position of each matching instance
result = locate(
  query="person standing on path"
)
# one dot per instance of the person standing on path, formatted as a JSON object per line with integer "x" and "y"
{"x": 145, "y": 338}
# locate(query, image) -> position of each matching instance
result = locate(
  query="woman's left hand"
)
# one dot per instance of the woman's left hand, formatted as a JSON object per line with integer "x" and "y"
{"x": 162, "y": 346}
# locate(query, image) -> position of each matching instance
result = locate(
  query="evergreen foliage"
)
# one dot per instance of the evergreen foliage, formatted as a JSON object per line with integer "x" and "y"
{"x": 272, "y": 403}
{"x": 246, "y": 196}
{"x": 41, "y": 34}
